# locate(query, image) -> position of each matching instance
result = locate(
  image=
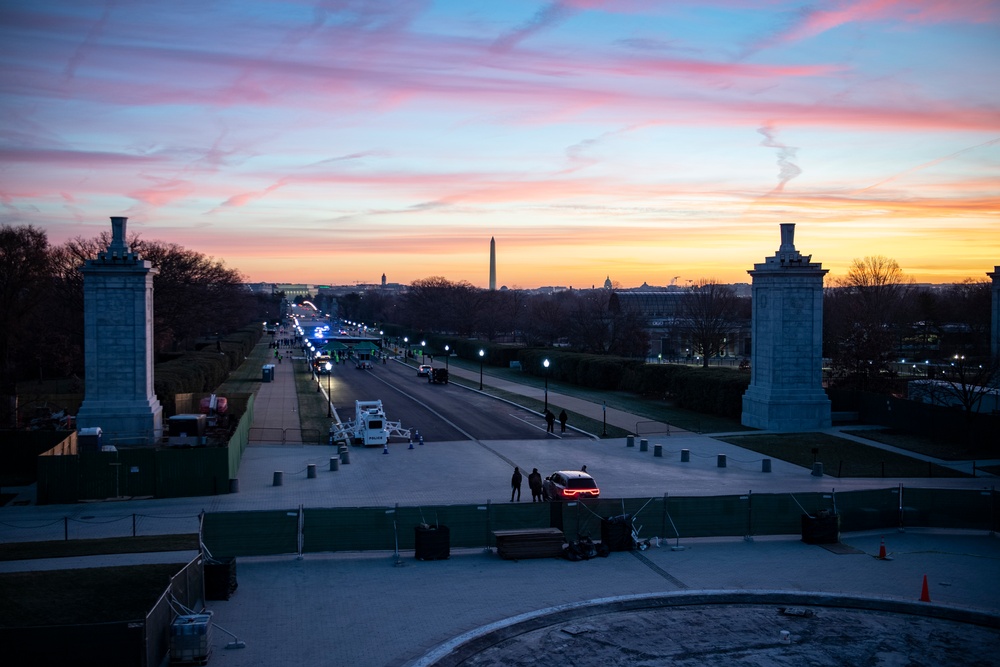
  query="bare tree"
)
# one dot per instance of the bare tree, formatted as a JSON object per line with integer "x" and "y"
{"x": 437, "y": 304}
{"x": 601, "y": 324}
{"x": 863, "y": 320}
{"x": 963, "y": 383}
{"x": 710, "y": 313}
{"x": 546, "y": 319}
{"x": 24, "y": 280}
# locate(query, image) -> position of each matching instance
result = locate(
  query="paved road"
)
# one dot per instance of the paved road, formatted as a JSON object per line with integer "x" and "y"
{"x": 439, "y": 412}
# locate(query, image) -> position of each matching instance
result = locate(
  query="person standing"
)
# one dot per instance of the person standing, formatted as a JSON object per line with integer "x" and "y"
{"x": 515, "y": 484}
{"x": 535, "y": 484}
{"x": 550, "y": 420}
{"x": 563, "y": 418}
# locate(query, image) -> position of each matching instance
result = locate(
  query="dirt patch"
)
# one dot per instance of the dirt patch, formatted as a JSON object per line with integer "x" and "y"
{"x": 744, "y": 636}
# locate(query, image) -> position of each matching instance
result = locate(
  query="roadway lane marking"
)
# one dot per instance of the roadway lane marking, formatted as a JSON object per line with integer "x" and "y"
{"x": 426, "y": 407}
{"x": 532, "y": 424}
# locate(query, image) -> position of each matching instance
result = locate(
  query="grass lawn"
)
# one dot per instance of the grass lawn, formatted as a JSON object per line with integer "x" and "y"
{"x": 313, "y": 407}
{"x": 93, "y": 595}
{"x": 247, "y": 378}
{"x": 111, "y": 545}
{"x": 840, "y": 457}
{"x": 948, "y": 451}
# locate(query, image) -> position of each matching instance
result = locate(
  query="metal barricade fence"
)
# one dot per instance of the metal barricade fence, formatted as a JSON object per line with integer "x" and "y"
{"x": 667, "y": 517}
{"x": 299, "y": 529}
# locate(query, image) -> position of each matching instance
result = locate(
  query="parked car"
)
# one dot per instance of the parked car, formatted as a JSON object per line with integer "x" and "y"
{"x": 423, "y": 370}
{"x": 438, "y": 376}
{"x": 569, "y": 485}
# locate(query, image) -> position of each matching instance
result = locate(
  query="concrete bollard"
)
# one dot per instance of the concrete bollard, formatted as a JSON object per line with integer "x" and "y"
{"x": 721, "y": 461}
{"x": 658, "y": 451}
{"x": 234, "y": 485}
{"x": 311, "y": 471}
{"x": 685, "y": 455}
{"x": 279, "y": 478}
{"x": 630, "y": 441}
{"x": 345, "y": 457}
{"x": 817, "y": 469}
{"x": 643, "y": 445}
{"x": 765, "y": 465}
{"x": 334, "y": 463}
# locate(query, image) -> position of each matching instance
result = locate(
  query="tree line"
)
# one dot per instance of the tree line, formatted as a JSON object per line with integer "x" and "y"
{"x": 41, "y": 301}
{"x": 873, "y": 318}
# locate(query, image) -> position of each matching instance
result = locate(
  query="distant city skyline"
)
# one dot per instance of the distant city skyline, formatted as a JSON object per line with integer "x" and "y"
{"x": 637, "y": 140}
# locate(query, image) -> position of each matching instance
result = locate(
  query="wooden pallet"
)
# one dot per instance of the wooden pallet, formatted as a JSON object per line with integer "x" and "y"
{"x": 529, "y": 543}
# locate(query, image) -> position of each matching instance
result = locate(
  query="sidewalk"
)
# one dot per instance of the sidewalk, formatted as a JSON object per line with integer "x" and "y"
{"x": 276, "y": 405}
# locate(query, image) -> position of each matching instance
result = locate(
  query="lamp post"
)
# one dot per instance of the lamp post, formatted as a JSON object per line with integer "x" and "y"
{"x": 423, "y": 344}
{"x": 482, "y": 353}
{"x": 406, "y": 350}
{"x": 546, "y": 364}
{"x": 447, "y": 354}
{"x": 329, "y": 400}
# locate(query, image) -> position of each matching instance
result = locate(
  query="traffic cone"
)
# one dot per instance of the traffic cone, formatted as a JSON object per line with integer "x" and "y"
{"x": 925, "y": 595}
{"x": 882, "y": 555}
{"x": 385, "y": 448}
{"x": 411, "y": 444}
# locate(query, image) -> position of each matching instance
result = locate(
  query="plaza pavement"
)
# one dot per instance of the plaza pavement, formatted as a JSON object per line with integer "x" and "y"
{"x": 380, "y": 608}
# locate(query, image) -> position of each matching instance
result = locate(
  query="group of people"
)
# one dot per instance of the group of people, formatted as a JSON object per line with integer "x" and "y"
{"x": 534, "y": 483}
{"x": 550, "y": 420}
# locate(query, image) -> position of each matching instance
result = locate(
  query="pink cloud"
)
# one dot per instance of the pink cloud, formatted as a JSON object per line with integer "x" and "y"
{"x": 814, "y": 22}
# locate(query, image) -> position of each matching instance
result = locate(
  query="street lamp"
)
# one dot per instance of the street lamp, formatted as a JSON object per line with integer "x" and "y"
{"x": 482, "y": 353}
{"x": 406, "y": 351}
{"x": 546, "y": 364}
{"x": 423, "y": 344}
{"x": 446, "y": 355}
{"x": 329, "y": 400}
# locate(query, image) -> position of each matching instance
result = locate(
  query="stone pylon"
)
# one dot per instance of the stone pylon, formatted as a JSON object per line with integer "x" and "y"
{"x": 786, "y": 391}
{"x": 118, "y": 346}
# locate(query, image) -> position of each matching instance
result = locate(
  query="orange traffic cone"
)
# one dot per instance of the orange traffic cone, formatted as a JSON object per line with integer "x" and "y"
{"x": 881, "y": 551}
{"x": 925, "y": 596}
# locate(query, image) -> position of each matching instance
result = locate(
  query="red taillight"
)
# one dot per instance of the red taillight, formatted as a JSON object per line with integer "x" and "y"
{"x": 572, "y": 493}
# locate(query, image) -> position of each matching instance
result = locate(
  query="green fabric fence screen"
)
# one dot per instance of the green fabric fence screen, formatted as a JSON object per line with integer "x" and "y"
{"x": 314, "y": 530}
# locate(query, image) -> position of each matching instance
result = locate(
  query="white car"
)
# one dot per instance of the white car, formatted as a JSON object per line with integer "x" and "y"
{"x": 423, "y": 370}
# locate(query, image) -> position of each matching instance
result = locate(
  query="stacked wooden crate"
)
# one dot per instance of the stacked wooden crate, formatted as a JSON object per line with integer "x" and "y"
{"x": 529, "y": 543}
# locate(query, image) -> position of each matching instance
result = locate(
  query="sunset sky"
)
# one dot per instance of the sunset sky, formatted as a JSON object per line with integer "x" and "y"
{"x": 336, "y": 140}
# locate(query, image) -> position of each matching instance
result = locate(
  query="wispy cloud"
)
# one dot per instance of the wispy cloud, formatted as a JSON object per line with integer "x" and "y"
{"x": 787, "y": 170}
{"x": 548, "y": 16}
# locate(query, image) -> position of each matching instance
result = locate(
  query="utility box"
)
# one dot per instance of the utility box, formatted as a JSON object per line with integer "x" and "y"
{"x": 616, "y": 533}
{"x": 432, "y": 542}
{"x": 824, "y": 528}
{"x": 187, "y": 425}
{"x": 88, "y": 440}
{"x": 267, "y": 373}
{"x": 191, "y": 639}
